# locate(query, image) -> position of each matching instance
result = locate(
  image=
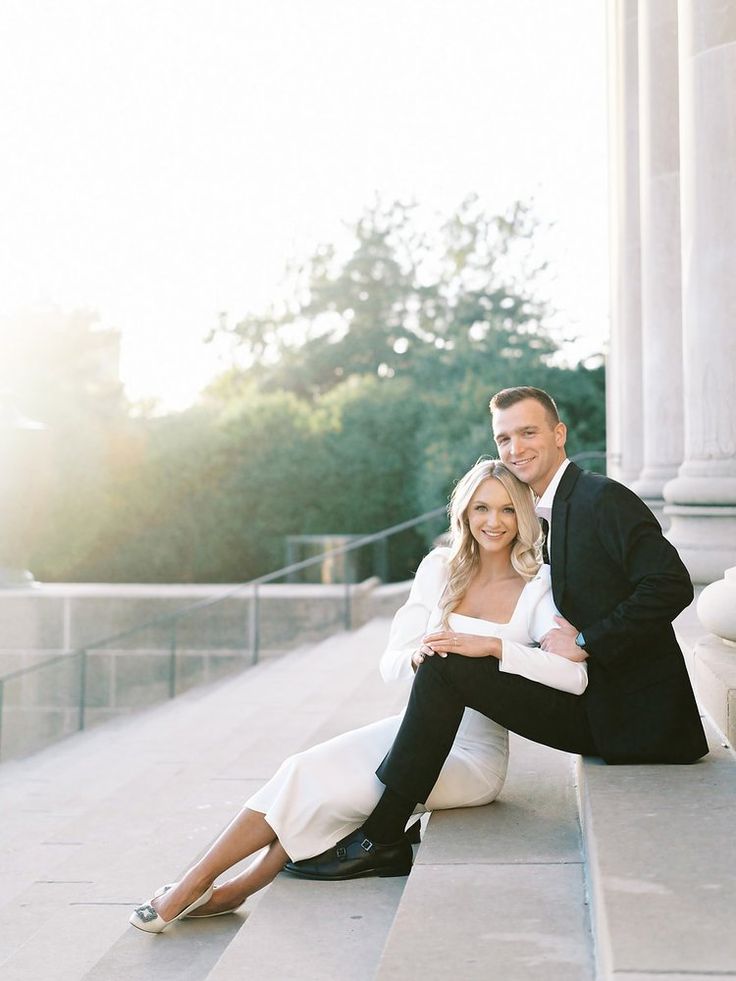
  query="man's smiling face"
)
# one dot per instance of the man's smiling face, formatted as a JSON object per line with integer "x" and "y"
{"x": 529, "y": 443}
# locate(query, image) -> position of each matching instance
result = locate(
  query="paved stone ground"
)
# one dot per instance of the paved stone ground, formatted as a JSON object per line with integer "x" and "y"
{"x": 93, "y": 824}
{"x": 514, "y": 890}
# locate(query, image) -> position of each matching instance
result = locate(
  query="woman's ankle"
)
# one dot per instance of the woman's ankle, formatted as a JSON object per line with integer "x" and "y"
{"x": 197, "y": 880}
{"x": 232, "y": 891}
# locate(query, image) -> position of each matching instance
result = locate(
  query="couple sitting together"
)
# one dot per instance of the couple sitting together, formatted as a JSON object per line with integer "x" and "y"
{"x": 549, "y": 614}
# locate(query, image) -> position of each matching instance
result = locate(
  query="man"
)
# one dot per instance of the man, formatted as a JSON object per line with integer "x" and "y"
{"x": 618, "y": 584}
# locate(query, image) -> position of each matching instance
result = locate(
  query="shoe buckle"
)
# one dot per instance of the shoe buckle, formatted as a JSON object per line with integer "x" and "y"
{"x": 146, "y": 913}
{"x": 341, "y": 852}
{"x": 367, "y": 845}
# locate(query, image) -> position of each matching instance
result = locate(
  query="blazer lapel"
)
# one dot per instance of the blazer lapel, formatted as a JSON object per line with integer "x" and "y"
{"x": 558, "y": 555}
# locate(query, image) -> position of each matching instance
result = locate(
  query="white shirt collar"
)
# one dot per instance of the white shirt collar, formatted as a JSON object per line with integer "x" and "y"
{"x": 543, "y": 506}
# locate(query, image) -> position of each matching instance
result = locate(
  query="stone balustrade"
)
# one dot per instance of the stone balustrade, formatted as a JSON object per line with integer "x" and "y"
{"x": 717, "y": 607}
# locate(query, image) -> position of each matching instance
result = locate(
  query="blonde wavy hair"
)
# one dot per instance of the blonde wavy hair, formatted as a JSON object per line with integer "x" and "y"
{"x": 526, "y": 554}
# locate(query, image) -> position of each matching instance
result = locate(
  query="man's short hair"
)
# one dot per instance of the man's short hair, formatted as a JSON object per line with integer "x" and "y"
{"x": 510, "y": 396}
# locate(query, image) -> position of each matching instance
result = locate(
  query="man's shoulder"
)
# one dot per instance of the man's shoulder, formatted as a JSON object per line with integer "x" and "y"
{"x": 604, "y": 492}
{"x": 599, "y": 485}
{"x": 584, "y": 483}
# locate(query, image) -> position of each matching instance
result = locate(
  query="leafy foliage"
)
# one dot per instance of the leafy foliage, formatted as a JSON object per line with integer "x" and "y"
{"x": 364, "y": 396}
{"x": 401, "y": 306}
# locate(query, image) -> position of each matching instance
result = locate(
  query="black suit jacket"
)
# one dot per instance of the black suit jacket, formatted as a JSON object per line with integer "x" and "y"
{"x": 617, "y": 578}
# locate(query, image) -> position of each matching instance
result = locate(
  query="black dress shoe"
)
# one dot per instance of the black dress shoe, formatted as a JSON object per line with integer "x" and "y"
{"x": 354, "y": 858}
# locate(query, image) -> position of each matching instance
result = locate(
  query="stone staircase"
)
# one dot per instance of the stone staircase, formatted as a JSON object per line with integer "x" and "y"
{"x": 640, "y": 887}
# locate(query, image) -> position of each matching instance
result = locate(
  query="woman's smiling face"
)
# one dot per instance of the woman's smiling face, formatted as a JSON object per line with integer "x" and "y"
{"x": 491, "y": 517}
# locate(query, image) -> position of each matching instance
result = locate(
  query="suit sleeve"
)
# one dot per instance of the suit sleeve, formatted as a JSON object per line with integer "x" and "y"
{"x": 410, "y": 623}
{"x": 661, "y": 586}
{"x": 534, "y": 663}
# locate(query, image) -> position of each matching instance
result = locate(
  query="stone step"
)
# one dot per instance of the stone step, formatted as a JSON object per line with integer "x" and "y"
{"x": 91, "y": 825}
{"x": 662, "y": 868}
{"x": 498, "y": 892}
{"x": 315, "y": 931}
{"x": 99, "y": 820}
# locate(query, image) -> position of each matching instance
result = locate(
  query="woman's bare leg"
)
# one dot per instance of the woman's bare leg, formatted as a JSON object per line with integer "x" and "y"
{"x": 246, "y": 834}
{"x": 235, "y": 891}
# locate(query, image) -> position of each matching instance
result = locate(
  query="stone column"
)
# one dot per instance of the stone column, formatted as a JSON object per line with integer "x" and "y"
{"x": 623, "y": 370}
{"x": 659, "y": 187}
{"x": 702, "y": 498}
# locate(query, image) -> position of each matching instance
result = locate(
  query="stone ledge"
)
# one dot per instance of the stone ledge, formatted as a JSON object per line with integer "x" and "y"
{"x": 657, "y": 840}
{"x": 712, "y": 667}
{"x": 715, "y": 682}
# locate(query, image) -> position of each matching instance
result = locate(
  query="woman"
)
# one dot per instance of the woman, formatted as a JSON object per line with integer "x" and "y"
{"x": 489, "y": 589}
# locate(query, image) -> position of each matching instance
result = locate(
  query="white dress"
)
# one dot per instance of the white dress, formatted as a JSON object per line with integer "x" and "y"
{"x": 322, "y": 794}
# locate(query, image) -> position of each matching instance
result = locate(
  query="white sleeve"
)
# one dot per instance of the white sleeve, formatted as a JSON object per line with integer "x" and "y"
{"x": 410, "y": 623}
{"x": 548, "y": 669}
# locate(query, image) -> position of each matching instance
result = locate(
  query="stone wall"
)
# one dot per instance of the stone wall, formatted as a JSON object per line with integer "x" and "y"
{"x": 52, "y": 625}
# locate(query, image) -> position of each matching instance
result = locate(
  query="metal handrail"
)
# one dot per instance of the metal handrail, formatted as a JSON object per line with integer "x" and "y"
{"x": 40, "y": 664}
{"x": 268, "y": 577}
{"x": 591, "y": 455}
{"x": 175, "y": 616}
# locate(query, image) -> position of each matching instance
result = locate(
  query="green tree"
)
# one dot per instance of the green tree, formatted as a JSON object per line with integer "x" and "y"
{"x": 365, "y": 397}
{"x": 400, "y": 304}
{"x": 435, "y": 324}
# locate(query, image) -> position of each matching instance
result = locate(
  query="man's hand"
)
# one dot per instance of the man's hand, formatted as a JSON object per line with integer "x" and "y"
{"x": 468, "y": 645}
{"x": 561, "y": 640}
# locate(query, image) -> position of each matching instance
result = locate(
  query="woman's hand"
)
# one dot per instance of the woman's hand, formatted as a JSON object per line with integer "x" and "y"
{"x": 468, "y": 645}
{"x": 418, "y": 657}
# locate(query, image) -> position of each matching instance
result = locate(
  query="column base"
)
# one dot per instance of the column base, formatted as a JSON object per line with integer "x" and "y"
{"x": 651, "y": 482}
{"x": 716, "y": 486}
{"x": 705, "y": 537}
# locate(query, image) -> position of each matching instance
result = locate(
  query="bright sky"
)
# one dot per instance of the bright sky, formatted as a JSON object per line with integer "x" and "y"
{"x": 162, "y": 159}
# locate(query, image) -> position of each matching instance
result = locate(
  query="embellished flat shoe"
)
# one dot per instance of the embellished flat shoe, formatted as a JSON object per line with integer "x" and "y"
{"x": 356, "y": 857}
{"x": 147, "y": 918}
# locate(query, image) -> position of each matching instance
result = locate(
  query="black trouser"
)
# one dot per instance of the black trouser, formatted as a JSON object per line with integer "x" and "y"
{"x": 444, "y": 687}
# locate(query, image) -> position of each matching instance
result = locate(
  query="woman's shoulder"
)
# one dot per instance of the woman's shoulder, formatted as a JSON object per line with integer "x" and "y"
{"x": 435, "y": 563}
{"x": 441, "y": 555}
{"x": 536, "y": 598}
{"x": 541, "y": 583}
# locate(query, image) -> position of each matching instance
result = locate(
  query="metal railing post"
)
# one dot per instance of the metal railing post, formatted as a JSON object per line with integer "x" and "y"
{"x": 255, "y": 625}
{"x": 348, "y": 604}
{"x": 380, "y": 559}
{"x": 172, "y": 662}
{"x": 82, "y": 687}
